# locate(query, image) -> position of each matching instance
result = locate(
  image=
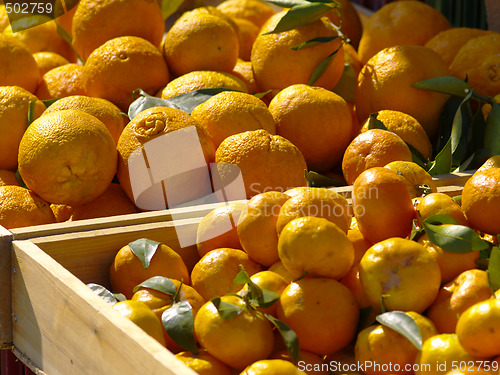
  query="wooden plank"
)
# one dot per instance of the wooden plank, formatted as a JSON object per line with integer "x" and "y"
{"x": 64, "y": 328}
{"x": 5, "y": 289}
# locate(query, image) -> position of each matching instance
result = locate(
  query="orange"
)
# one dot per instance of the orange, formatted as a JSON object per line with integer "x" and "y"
{"x": 395, "y": 69}
{"x": 372, "y": 148}
{"x": 14, "y": 107}
{"x": 247, "y": 33}
{"x": 200, "y": 41}
{"x": 152, "y": 124}
{"x": 351, "y": 280}
{"x": 62, "y": 212}
{"x": 48, "y": 60}
{"x": 382, "y": 205}
{"x": 351, "y": 57}
{"x": 4, "y": 18}
{"x": 351, "y": 25}
{"x": 97, "y": 21}
{"x": 456, "y": 296}
{"x": 203, "y": 363}
{"x": 308, "y": 362}
{"x": 257, "y": 227}
{"x": 64, "y": 14}
{"x": 380, "y": 347}
{"x": 493, "y": 162}
{"x": 115, "y": 69}
{"x": 62, "y": 81}
{"x": 321, "y": 311}
{"x": 407, "y": 127}
{"x": 441, "y": 204}
{"x": 21, "y": 207}
{"x": 481, "y": 200}
{"x": 128, "y": 270}
{"x": 201, "y": 80}
{"x": 243, "y": 70}
{"x": 400, "y": 23}
{"x": 470, "y": 369}
{"x": 67, "y": 157}
{"x": 359, "y": 242}
{"x": 328, "y": 132}
{"x": 448, "y": 42}
{"x": 478, "y": 328}
{"x": 103, "y": 109}
{"x": 418, "y": 181}
{"x": 478, "y": 60}
{"x": 280, "y": 269}
{"x": 214, "y": 273}
{"x": 316, "y": 247}
{"x": 17, "y": 65}
{"x": 486, "y": 108}
{"x": 232, "y": 112}
{"x": 403, "y": 272}
{"x": 255, "y": 11}
{"x": 319, "y": 202}
{"x": 343, "y": 361}
{"x": 141, "y": 315}
{"x": 8, "y": 178}
{"x": 277, "y": 66}
{"x": 266, "y": 162}
{"x": 441, "y": 353}
{"x": 237, "y": 342}
{"x": 39, "y": 33}
{"x": 272, "y": 367}
{"x": 218, "y": 228}
{"x": 112, "y": 202}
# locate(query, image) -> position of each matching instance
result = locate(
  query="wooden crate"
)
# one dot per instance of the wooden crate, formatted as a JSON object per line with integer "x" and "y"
{"x": 58, "y": 325}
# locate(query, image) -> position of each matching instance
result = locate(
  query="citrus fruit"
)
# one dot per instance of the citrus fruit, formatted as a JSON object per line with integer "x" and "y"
{"x": 8, "y": 177}
{"x": 352, "y": 282}
{"x": 280, "y": 269}
{"x": 48, "y": 60}
{"x": 247, "y": 33}
{"x": 255, "y": 11}
{"x": 203, "y": 363}
{"x": 328, "y": 133}
{"x": 243, "y": 71}
{"x": 493, "y": 162}
{"x": 272, "y": 367}
{"x": 351, "y": 25}
{"x": 308, "y": 362}
{"x": 67, "y": 157}
{"x": 62, "y": 81}
{"x": 441, "y": 204}
{"x": 418, "y": 181}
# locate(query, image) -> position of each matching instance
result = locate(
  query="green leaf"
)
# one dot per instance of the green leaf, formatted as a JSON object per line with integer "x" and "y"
{"x": 443, "y": 161}
{"x": 417, "y": 157}
{"x": 375, "y": 123}
{"x": 267, "y": 299}
{"x": 454, "y": 238}
{"x": 346, "y": 86}
{"x": 446, "y": 85}
{"x": 315, "y": 42}
{"x": 260, "y": 95}
{"x": 178, "y": 321}
{"x": 159, "y": 283}
{"x": 315, "y": 179}
{"x": 289, "y": 337}
{"x": 102, "y": 292}
{"x": 457, "y": 199}
{"x": 383, "y": 306}
{"x": 49, "y": 102}
{"x": 120, "y": 297}
{"x": 478, "y": 132}
{"x": 415, "y": 231}
{"x": 440, "y": 219}
{"x": 404, "y": 324}
{"x": 31, "y": 112}
{"x": 301, "y": 15}
{"x": 241, "y": 278}
{"x": 494, "y": 269}
{"x": 459, "y": 130}
{"x": 226, "y": 310}
{"x": 288, "y": 3}
{"x": 68, "y": 39}
{"x": 322, "y": 67}
{"x": 169, "y": 7}
{"x": 492, "y": 131}
{"x": 20, "y": 179}
{"x": 144, "y": 249}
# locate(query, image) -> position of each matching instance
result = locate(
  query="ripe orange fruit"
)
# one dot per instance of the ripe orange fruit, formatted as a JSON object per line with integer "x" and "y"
{"x": 382, "y": 205}
{"x": 103, "y": 109}
{"x": 203, "y": 363}
{"x": 351, "y": 57}
{"x": 400, "y": 23}
{"x": 14, "y": 107}
{"x": 214, "y": 273}
{"x": 456, "y": 296}
{"x": 328, "y": 133}
{"x": 277, "y": 66}
{"x": 62, "y": 81}
{"x": 478, "y": 60}
{"x": 321, "y": 311}
{"x": 316, "y": 247}
{"x": 418, "y": 181}
{"x": 62, "y": 212}
{"x": 481, "y": 200}
{"x": 200, "y": 41}
{"x": 202, "y": 80}
{"x": 448, "y": 42}
{"x": 247, "y": 33}
{"x": 237, "y": 342}
{"x": 254, "y": 11}
{"x": 8, "y": 178}
{"x": 493, "y": 162}
{"x": 115, "y": 69}
{"x": 96, "y": 21}
{"x": 351, "y": 22}
{"x": 372, "y": 148}
{"x": 243, "y": 71}
{"x": 309, "y": 362}
{"x": 319, "y": 202}
{"x": 352, "y": 282}
{"x": 395, "y": 69}
{"x": 384, "y": 348}
{"x": 280, "y": 269}
{"x": 48, "y": 60}
{"x": 141, "y": 315}
{"x": 17, "y": 65}
{"x": 232, "y": 112}
{"x": 359, "y": 242}
{"x": 67, "y": 157}
{"x": 4, "y": 18}
{"x": 441, "y": 204}
{"x": 403, "y": 272}
{"x": 21, "y": 207}
{"x": 218, "y": 228}
{"x": 407, "y": 127}
{"x": 128, "y": 270}
{"x": 152, "y": 124}
{"x": 280, "y": 163}
{"x": 272, "y": 367}
{"x": 478, "y": 329}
